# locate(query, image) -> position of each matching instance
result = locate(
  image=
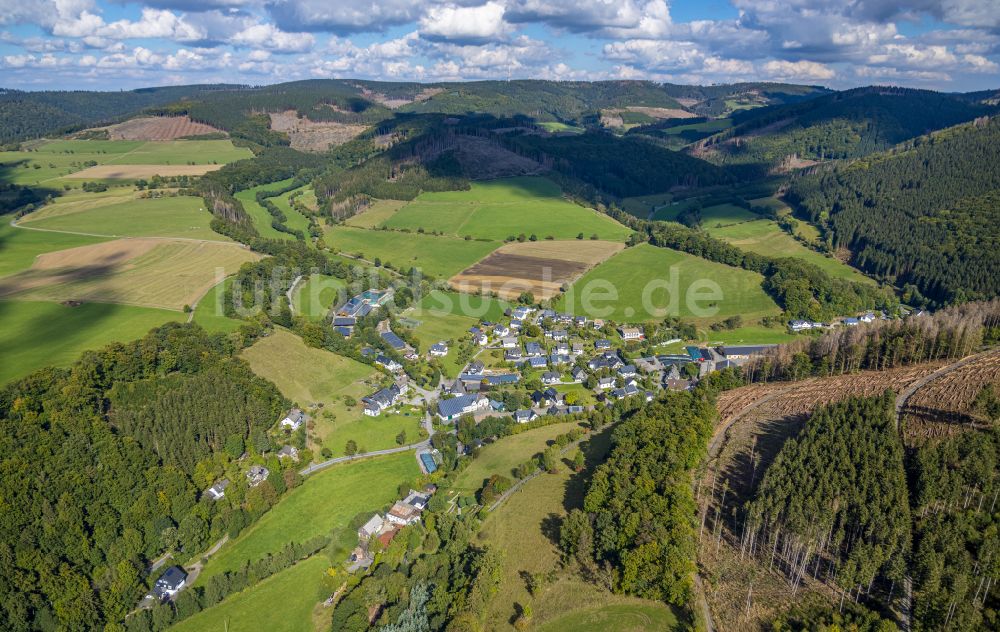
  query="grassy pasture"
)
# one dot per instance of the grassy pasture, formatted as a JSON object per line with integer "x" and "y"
{"x": 209, "y": 312}
{"x": 283, "y": 602}
{"x": 261, "y": 218}
{"x": 439, "y": 257}
{"x": 622, "y": 617}
{"x": 376, "y": 433}
{"x": 37, "y": 334}
{"x": 507, "y": 453}
{"x": 714, "y": 125}
{"x": 315, "y": 295}
{"x": 440, "y": 302}
{"x": 20, "y": 247}
{"x": 641, "y": 206}
{"x": 725, "y": 214}
{"x": 295, "y": 220}
{"x": 126, "y": 216}
{"x": 803, "y": 229}
{"x": 498, "y": 209}
{"x": 326, "y": 501}
{"x": 669, "y": 212}
{"x": 375, "y": 215}
{"x": 557, "y": 127}
{"x": 641, "y": 268}
{"x": 144, "y": 272}
{"x": 765, "y": 237}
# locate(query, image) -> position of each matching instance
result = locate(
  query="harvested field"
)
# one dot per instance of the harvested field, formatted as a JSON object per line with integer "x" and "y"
{"x": 943, "y": 407}
{"x": 612, "y": 117}
{"x": 307, "y": 135}
{"x": 133, "y": 172}
{"x": 755, "y": 421}
{"x": 147, "y": 272}
{"x": 159, "y": 128}
{"x": 540, "y": 267}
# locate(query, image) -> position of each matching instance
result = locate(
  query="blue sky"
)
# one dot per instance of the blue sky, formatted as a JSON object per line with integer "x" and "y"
{"x": 116, "y": 44}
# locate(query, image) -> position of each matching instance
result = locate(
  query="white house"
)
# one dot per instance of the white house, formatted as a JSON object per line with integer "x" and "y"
{"x": 371, "y": 528}
{"x": 449, "y": 409}
{"x": 407, "y": 511}
{"x": 217, "y": 491}
{"x": 508, "y": 343}
{"x": 631, "y": 333}
{"x": 439, "y": 349}
{"x": 294, "y": 420}
{"x": 169, "y": 584}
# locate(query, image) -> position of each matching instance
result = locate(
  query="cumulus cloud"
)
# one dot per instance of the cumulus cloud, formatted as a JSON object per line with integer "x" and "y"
{"x": 342, "y": 16}
{"x": 797, "y": 71}
{"x": 466, "y": 24}
{"x": 154, "y": 23}
{"x": 270, "y": 37}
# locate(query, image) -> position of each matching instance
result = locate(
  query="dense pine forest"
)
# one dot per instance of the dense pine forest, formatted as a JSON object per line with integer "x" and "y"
{"x": 104, "y": 464}
{"x": 923, "y": 215}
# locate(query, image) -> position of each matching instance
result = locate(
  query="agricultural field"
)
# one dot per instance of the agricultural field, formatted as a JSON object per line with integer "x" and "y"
{"x": 376, "y": 433}
{"x": 209, "y": 311}
{"x": 439, "y": 257}
{"x": 147, "y": 272}
{"x": 136, "y": 172}
{"x": 765, "y": 237}
{"x": 317, "y": 380}
{"x": 284, "y": 601}
{"x": 294, "y": 219}
{"x": 325, "y": 503}
{"x": 756, "y": 420}
{"x": 118, "y": 214}
{"x": 538, "y": 267}
{"x": 803, "y": 229}
{"x": 450, "y": 328}
{"x": 647, "y": 283}
{"x": 60, "y": 158}
{"x": 21, "y": 247}
{"x": 37, "y": 334}
{"x": 258, "y": 214}
{"x": 714, "y": 125}
{"x": 558, "y": 127}
{"x": 725, "y": 214}
{"x": 158, "y": 128}
{"x": 502, "y": 456}
{"x": 375, "y": 215}
{"x": 315, "y": 295}
{"x": 499, "y": 209}
{"x": 439, "y": 302}
{"x": 669, "y": 212}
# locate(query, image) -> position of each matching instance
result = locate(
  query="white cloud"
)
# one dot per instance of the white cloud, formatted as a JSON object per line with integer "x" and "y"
{"x": 342, "y": 16}
{"x": 467, "y": 24}
{"x": 270, "y": 37}
{"x": 154, "y": 23}
{"x": 797, "y": 71}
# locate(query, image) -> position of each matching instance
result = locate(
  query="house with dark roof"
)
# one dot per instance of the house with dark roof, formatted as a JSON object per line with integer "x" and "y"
{"x": 168, "y": 584}
{"x": 524, "y": 416}
{"x": 551, "y": 377}
{"x": 450, "y": 409}
{"x": 557, "y": 359}
{"x": 407, "y": 511}
{"x": 512, "y": 355}
{"x": 380, "y": 400}
{"x": 602, "y": 344}
{"x": 560, "y": 334}
{"x": 533, "y": 350}
{"x": 538, "y": 362}
{"x": 288, "y": 452}
{"x": 475, "y": 367}
{"x": 393, "y": 340}
{"x": 578, "y": 374}
{"x": 388, "y": 363}
{"x": 743, "y": 352}
{"x": 604, "y": 383}
{"x": 627, "y": 370}
{"x": 439, "y": 349}
{"x": 257, "y": 474}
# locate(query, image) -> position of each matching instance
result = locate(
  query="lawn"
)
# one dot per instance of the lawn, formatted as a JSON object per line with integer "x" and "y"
{"x": 557, "y": 127}
{"x": 37, "y": 334}
{"x": 127, "y": 216}
{"x": 283, "y": 602}
{"x": 725, "y": 214}
{"x": 375, "y": 433}
{"x": 375, "y": 215}
{"x": 765, "y": 237}
{"x": 645, "y": 283}
{"x": 803, "y": 229}
{"x": 440, "y": 257}
{"x": 326, "y": 501}
{"x": 669, "y": 212}
{"x": 209, "y": 312}
{"x": 622, "y": 617}
{"x": 19, "y": 246}
{"x": 315, "y": 295}
{"x": 507, "y": 453}
{"x": 643, "y": 205}
{"x": 258, "y": 214}
{"x": 499, "y": 209}
{"x": 178, "y": 152}
{"x": 439, "y": 302}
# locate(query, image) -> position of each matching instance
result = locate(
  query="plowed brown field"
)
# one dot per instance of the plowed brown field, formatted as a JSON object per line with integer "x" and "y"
{"x": 159, "y": 128}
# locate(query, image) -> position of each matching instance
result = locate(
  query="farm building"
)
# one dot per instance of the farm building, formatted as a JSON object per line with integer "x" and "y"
{"x": 744, "y": 352}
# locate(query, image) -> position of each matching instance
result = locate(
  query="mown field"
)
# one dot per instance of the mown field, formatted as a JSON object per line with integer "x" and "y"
{"x": 325, "y": 502}
{"x": 37, "y": 334}
{"x": 376, "y": 214}
{"x": 20, "y": 247}
{"x": 294, "y": 219}
{"x": 144, "y": 271}
{"x": 282, "y": 602}
{"x": 315, "y": 295}
{"x": 645, "y": 271}
{"x": 115, "y": 214}
{"x": 439, "y": 257}
{"x": 59, "y": 158}
{"x": 499, "y": 209}
{"x": 209, "y": 311}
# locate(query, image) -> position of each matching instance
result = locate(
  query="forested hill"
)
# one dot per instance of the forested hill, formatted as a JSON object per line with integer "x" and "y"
{"x": 847, "y": 124}
{"x": 925, "y": 215}
{"x": 719, "y": 99}
{"x": 33, "y": 114}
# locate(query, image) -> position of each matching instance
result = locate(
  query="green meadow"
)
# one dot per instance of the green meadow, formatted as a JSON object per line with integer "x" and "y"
{"x": 376, "y": 433}
{"x": 283, "y": 602}
{"x": 294, "y": 219}
{"x": 258, "y": 214}
{"x": 375, "y": 215}
{"x": 641, "y": 206}
{"x": 127, "y": 216}
{"x": 499, "y": 209}
{"x": 440, "y": 257}
{"x": 19, "y": 246}
{"x": 325, "y": 502}
{"x": 647, "y": 270}
{"x": 315, "y": 295}
{"x": 209, "y": 311}
{"x": 765, "y": 237}
{"x": 38, "y": 334}
{"x": 557, "y": 127}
